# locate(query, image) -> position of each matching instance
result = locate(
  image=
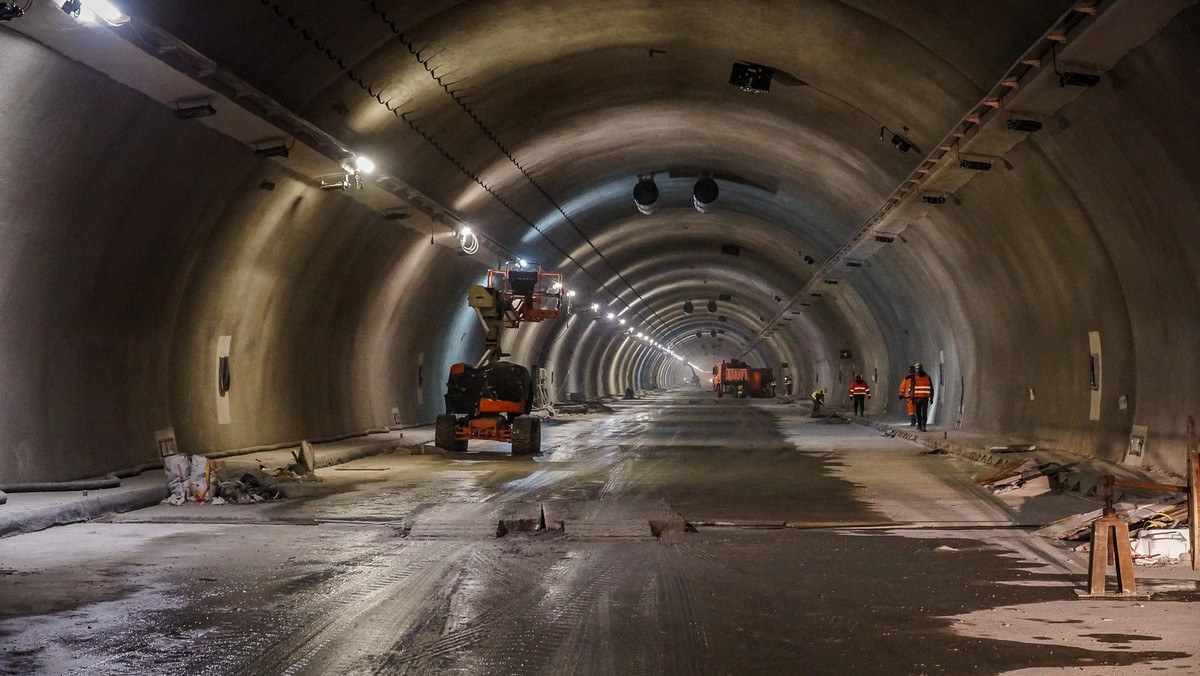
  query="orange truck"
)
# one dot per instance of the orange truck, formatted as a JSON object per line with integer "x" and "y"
{"x": 731, "y": 377}
{"x": 740, "y": 380}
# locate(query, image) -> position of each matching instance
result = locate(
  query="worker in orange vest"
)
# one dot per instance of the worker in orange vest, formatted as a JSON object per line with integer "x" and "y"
{"x": 859, "y": 391}
{"x": 905, "y": 387}
{"x": 922, "y": 393}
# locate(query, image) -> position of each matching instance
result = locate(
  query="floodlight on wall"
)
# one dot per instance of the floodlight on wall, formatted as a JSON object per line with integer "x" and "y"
{"x": 704, "y": 194}
{"x": 688, "y": 308}
{"x": 194, "y": 111}
{"x": 95, "y": 12}
{"x": 712, "y": 306}
{"x": 645, "y": 194}
{"x": 468, "y": 241}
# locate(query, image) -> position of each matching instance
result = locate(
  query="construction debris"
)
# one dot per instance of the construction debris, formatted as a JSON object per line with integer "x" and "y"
{"x": 1079, "y": 525}
{"x": 1026, "y": 477}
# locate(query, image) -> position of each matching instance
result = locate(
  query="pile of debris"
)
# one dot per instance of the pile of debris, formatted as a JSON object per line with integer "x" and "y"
{"x": 198, "y": 479}
{"x": 1025, "y": 477}
{"x": 582, "y": 407}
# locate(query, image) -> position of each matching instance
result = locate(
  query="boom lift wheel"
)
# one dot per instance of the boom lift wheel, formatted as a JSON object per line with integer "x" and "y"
{"x": 526, "y": 435}
{"x": 443, "y": 433}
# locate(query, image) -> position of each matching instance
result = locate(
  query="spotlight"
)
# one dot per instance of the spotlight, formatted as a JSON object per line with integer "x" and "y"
{"x": 193, "y": 112}
{"x": 645, "y": 194}
{"x": 95, "y": 11}
{"x": 933, "y": 199}
{"x": 611, "y": 316}
{"x": 1027, "y": 126}
{"x": 571, "y": 293}
{"x": 595, "y": 307}
{"x": 975, "y": 165}
{"x": 621, "y": 322}
{"x": 468, "y": 241}
{"x": 712, "y": 306}
{"x": 10, "y": 11}
{"x": 688, "y": 307}
{"x": 704, "y": 194}
{"x": 1078, "y": 79}
{"x": 523, "y": 263}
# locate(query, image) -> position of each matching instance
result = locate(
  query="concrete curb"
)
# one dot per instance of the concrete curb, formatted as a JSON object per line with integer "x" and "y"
{"x": 968, "y": 452}
{"x": 27, "y": 516}
{"x": 31, "y": 512}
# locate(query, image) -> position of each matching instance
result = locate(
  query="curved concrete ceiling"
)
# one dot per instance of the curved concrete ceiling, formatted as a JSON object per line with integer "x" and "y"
{"x": 531, "y": 122}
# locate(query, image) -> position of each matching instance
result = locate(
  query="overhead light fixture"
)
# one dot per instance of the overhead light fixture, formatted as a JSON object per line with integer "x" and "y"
{"x": 704, "y": 194}
{"x": 95, "y": 12}
{"x": 1074, "y": 79}
{"x": 611, "y": 316}
{"x": 193, "y": 112}
{"x": 10, "y": 11}
{"x": 1027, "y": 126}
{"x": 571, "y": 293}
{"x": 645, "y": 194}
{"x": 712, "y": 333}
{"x": 621, "y": 322}
{"x": 595, "y": 307}
{"x": 468, "y": 241}
{"x": 901, "y": 143}
{"x": 933, "y": 199}
{"x": 885, "y": 239}
{"x": 712, "y": 306}
{"x": 975, "y": 165}
{"x": 688, "y": 307}
{"x": 810, "y": 260}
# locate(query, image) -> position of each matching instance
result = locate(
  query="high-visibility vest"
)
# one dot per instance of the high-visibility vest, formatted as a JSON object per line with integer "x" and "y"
{"x": 859, "y": 387}
{"x": 922, "y": 386}
{"x": 906, "y": 385}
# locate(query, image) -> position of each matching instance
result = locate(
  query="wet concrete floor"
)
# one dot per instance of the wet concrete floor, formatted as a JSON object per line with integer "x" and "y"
{"x": 812, "y": 553}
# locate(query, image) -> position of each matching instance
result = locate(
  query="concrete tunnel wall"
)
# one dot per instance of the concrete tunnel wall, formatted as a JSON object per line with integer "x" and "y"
{"x": 133, "y": 240}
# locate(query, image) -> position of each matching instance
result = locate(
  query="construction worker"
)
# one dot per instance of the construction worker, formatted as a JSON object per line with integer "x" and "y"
{"x": 859, "y": 392}
{"x": 787, "y": 385}
{"x": 922, "y": 393}
{"x": 906, "y": 395}
{"x": 818, "y": 398}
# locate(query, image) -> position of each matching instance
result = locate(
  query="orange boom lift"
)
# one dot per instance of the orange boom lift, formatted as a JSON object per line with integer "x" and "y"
{"x": 493, "y": 399}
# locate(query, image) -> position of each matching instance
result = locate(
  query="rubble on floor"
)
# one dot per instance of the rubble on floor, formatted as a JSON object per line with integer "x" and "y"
{"x": 1136, "y": 515}
{"x": 1026, "y": 477}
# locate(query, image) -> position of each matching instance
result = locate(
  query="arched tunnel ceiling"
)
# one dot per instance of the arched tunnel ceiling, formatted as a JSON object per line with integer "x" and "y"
{"x": 538, "y": 116}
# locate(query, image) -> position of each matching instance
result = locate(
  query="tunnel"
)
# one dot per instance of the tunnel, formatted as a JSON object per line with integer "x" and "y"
{"x": 230, "y": 226}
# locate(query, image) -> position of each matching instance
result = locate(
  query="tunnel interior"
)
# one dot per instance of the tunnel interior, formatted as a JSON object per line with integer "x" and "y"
{"x": 1005, "y": 192}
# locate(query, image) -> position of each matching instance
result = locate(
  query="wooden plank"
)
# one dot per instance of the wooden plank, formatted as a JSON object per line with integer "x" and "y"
{"x": 1193, "y": 491}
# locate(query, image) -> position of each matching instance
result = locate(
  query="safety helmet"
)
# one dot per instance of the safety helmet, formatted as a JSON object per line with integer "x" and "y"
{"x": 918, "y": 366}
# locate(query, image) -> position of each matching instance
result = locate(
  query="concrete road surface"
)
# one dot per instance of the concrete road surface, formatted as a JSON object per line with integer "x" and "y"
{"x": 819, "y": 548}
